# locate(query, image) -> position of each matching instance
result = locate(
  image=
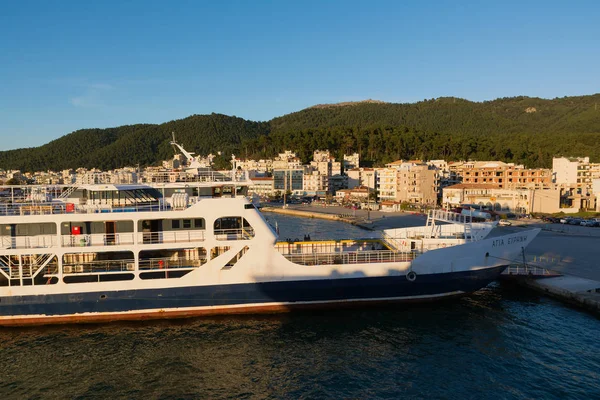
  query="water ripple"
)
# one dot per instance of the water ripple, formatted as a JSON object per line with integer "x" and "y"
{"x": 499, "y": 343}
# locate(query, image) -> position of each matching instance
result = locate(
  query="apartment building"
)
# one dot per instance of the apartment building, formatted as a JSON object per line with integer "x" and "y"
{"x": 315, "y": 183}
{"x": 505, "y": 175}
{"x": 288, "y": 180}
{"x": 418, "y": 185}
{"x": 493, "y": 197}
{"x": 410, "y": 181}
{"x": 361, "y": 177}
{"x": 575, "y": 172}
{"x": 262, "y": 186}
{"x": 387, "y": 184}
{"x": 351, "y": 161}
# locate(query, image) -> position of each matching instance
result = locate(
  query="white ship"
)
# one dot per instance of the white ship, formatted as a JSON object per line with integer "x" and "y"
{"x": 91, "y": 253}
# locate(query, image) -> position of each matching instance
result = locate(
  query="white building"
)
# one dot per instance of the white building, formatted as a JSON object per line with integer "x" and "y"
{"x": 361, "y": 177}
{"x": 351, "y": 161}
{"x": 492, "y": 197}
{"x": 387, "y": 183}
{"x": 315, "y": 182}
{"x": 262, "y": 186}
{"x": 572, "y": 171}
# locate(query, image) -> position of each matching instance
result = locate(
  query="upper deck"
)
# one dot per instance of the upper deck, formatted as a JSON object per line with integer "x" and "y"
{"x": 116, "y": 198}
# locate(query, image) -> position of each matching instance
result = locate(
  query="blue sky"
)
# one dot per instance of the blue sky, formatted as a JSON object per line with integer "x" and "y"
{"x": 67, "y": 65}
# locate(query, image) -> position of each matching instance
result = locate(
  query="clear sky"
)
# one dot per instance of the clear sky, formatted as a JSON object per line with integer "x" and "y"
{"x": 67, "y": 65}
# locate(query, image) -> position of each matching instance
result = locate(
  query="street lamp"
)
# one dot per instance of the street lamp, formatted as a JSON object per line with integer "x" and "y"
{"x": 368, "y": 197}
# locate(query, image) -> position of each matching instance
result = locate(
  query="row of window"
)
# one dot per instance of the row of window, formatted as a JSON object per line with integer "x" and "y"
{"x": 188, "y": 223}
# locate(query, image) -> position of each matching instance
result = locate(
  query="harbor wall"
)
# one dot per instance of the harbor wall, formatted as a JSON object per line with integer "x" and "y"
{"x": 312, "y": 214}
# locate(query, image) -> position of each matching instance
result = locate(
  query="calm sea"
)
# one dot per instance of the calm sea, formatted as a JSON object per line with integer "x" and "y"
{"x": 499, "y": 343}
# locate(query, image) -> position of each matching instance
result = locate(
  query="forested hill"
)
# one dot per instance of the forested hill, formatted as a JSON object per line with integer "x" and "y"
{"x": 519, "y": 129}
{"x": 143, "y": 144}
{"x": 448, "y": 114}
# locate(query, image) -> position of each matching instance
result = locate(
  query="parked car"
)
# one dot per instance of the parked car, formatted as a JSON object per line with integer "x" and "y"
{"x": 575, "y": 221}
{"x": 565, "y": 220}
{"x": 504, "y": 222}
{"x": 551, "y": 220}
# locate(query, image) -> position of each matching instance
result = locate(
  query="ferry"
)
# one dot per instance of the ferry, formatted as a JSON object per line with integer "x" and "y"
{"x": 110, "y": 252}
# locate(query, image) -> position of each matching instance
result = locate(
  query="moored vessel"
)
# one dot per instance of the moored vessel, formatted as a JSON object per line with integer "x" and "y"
{"x": 91, "y": 253}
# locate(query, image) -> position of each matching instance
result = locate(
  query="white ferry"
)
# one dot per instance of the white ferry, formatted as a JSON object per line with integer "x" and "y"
{"x": 91, "y": 253}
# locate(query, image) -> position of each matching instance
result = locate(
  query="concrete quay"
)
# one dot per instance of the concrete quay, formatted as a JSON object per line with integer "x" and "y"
{"x": 576, "y": 291}
{"x": 369, "y": 220}
{"x": 569, "y": 250}
{"x": 342, "y": 217}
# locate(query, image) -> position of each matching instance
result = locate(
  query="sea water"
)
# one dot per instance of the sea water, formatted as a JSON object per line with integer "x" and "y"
{"x": 499, "y": 343}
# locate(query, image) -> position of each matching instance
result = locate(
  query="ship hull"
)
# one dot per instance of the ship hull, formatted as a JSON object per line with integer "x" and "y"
{"x": 259, "y": 297}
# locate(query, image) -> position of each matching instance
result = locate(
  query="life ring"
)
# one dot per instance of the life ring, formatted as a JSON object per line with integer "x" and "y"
{"x": 411, "y": 276}
{"x": 404, "y": 243}
{"x": 161, "y": 264}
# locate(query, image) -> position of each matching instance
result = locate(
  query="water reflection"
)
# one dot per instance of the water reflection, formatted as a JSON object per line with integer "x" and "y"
{"x": 495, "y": 340}
{"x": 498, "y": 343}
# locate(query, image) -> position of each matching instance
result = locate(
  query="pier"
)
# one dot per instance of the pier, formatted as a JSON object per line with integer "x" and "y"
{"x": 344, "y": 216}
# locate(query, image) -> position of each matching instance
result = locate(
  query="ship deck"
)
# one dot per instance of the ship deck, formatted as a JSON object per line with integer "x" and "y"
{"x": 342, "y": 252}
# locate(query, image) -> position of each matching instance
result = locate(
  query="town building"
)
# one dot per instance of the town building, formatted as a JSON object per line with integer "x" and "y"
{"x": 493, "y": 197}
{"x": 262, "y": 186}
{"x": 315, "y": 184}
{"x": 288, "y": 180}
{"x": 410, "y": 181}
{"x": 361, "y": 177}
{"x": 357, "y": 194}
{"x": 505, "y": 175}
{"x": 351, "y": 161}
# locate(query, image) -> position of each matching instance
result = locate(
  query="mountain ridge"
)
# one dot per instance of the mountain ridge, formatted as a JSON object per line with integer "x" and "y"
{"x": 519, "y": 129}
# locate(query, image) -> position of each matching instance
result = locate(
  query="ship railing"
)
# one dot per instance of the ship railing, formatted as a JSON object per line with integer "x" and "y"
{"x": 171, "y": 236}
{"x": 9, "y": 209}
{"x": 126, "y": 265}
{"x": 234, "y": 234}
{"x": 91, "y": 267}
{"x": 354, "y": 257}
{"x": 98, "y": 239}
{"x": 448, "y": 216}
{"x": 199, "y": 177}
{"x": 13, "y": 209}
{"x": 525, "y": 269}
{"x": 90, "y": 208}
{"x": 168, "y": 263}
{"x": 25, "y": 208}
{"x": 29, "y": 242}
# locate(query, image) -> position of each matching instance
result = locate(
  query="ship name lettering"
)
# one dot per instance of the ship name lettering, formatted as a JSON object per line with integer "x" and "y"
{"x": 517, "y": 239}
{"x": 498, "y": 242}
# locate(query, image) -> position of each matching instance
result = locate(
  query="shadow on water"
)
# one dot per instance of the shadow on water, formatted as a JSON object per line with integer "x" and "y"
{"x": 495, "y": 343}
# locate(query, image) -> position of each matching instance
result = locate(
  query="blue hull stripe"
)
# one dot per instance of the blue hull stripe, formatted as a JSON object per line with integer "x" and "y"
{"x": 371, "y": 288}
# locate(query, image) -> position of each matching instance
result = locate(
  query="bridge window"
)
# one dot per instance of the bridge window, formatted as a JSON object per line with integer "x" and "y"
{"x": 233, "y": 228}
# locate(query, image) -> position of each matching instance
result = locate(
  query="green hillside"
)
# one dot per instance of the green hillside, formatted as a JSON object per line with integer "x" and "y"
{"x": 129, "y": 145}
{"x": 519, "y": 129}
